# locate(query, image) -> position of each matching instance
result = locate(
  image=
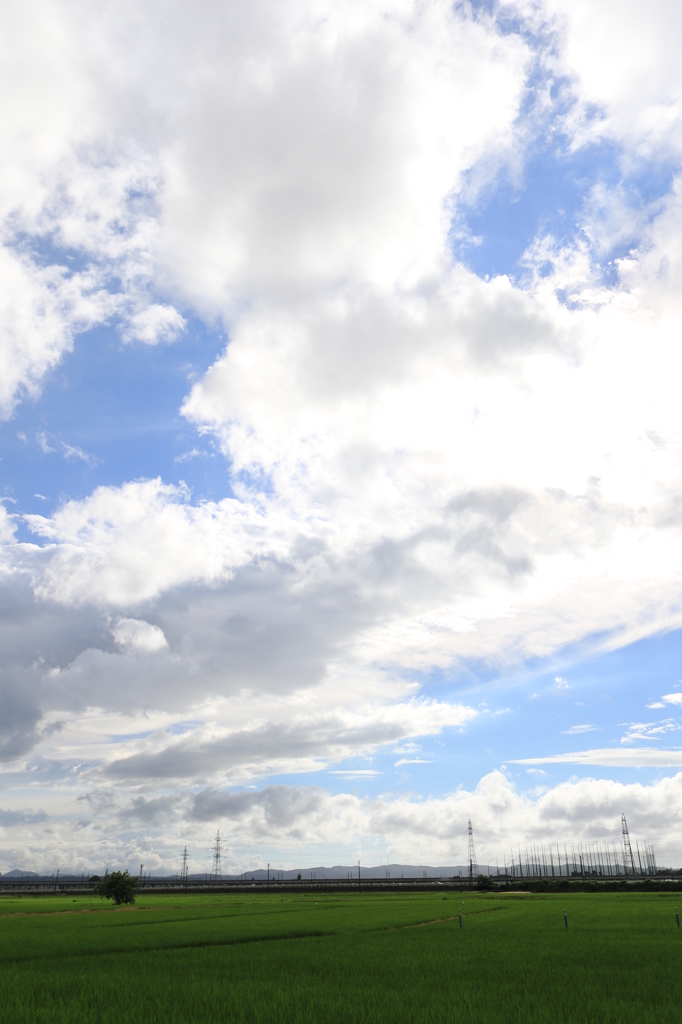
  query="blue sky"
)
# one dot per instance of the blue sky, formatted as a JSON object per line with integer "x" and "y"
{"x": 117, "y": 405}
{"x": 340, "y": 433}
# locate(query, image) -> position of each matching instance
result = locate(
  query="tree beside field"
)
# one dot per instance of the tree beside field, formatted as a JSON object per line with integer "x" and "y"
{"x": 118, "y": 886}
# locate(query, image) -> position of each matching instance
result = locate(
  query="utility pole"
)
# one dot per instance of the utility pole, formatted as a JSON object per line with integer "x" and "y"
{"x": 184, "y": 868}
{"x": 473, "y": 866}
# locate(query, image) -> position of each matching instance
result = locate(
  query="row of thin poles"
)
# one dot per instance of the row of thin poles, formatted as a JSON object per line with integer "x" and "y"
{"x": 592, "y": 860}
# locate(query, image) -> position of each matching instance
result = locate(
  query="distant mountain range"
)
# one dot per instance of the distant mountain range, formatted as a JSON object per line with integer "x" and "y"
{"x": 344, "y": 871}
{"x": 339, "y": 871}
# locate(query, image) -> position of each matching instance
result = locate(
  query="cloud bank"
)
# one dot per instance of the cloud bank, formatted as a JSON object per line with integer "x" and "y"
{"x": 425, "y": 466}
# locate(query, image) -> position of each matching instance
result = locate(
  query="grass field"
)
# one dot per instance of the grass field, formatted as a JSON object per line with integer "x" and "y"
{"x": 341, "y": 958}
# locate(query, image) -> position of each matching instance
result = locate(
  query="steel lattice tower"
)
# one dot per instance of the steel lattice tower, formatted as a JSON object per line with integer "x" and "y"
{"x": 627, "y": 848}
{"x": 473, "y": 866}
{"x": 184, "y": 867}
{"x": 216, "y": 872}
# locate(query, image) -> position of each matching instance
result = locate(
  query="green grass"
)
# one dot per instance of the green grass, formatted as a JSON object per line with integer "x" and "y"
{"x": 341, "y": 958}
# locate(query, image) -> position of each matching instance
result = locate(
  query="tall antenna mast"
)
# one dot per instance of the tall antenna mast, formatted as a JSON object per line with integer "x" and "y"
{"x": 184, "y": 868}
{"x": 628, "y": 859}
{"x": 216, "y": 872}
{"x": 473, "y": 866}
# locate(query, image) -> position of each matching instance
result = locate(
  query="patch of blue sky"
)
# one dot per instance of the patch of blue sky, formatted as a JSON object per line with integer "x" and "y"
{"x": 43, "y": 252}
{"x": 601, "y": 701}
{"x": 507, "y": 19}
{"x": 126, "y": 737}
{"x": 109, "y": 413}
{"x": 180, "y": 728}
{"x": 553, "y": 197}
{"x": 547, "y": 191}
{"x": 570, "y": 704}
{"x": 548, "y": 200}
{"x": 648, "y": 668}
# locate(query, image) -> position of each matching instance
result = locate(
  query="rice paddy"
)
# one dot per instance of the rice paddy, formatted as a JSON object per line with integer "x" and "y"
{"x": 341, "y": 958}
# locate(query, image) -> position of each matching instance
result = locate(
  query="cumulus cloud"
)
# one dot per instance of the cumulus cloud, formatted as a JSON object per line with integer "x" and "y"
{"x": 622, "y": 57}
{"x": 138, "y": 634}
{"x": 502, "y": 817}
{"x": 7, "y": 526}
{"x": 110, "y": 152}
{"x": 154, "y": 324}
{"x": 382, "y": 398}
{"x": 367, "y": 152}
{"x": 424, "y": 466}
{"x": 125, "y": 545}
{"x": 303, "y": 826}
{"x": 40, "y": 310}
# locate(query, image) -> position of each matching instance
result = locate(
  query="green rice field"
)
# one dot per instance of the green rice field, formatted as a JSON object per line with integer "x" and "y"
{"x": 341, "y": 958}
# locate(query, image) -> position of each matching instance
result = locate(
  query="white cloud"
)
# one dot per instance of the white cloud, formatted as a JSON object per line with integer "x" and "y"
{"x": 289, "y": 739}
{"x": 427, "y": 466}
{"x": 358, "y": 349}
{"x": 154, "y": 324}
{"x": 7, "y": 526}
{"x": 624, "y": 58}
{"x": 368, "y": 152}
{"x": 300, "y": 826}
{"x": 577, "y": 729}
{"x": 642, "y": 757}
{"x": 42, "y": 307}
{"x": 125, "y": 545}
{"x": 356, "y": 773}
{"x": 163, "y": 180}
{"x": 671, "y": 698}
{"x": 43, "y": 443}
{"x": 73, "y": 451}
{"x": 138, "y": 635}
{"x": 639, "y": 731}
{"x": 193, "y": 453}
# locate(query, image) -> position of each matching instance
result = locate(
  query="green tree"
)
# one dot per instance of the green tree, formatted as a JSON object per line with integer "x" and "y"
{"x": 118, "y": 886}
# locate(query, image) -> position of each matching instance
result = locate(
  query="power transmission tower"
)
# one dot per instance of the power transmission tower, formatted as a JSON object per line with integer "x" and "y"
{"x": 628, "y": 859}
{"x": 184, "y": 868}
{"x": 473, "y": 866}
{"x": 216, "y": 871}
